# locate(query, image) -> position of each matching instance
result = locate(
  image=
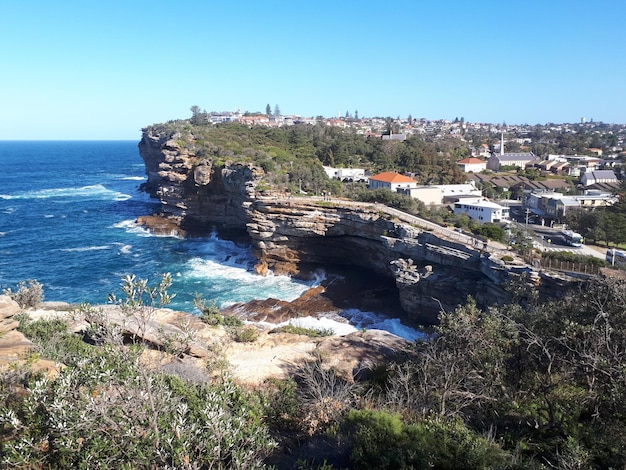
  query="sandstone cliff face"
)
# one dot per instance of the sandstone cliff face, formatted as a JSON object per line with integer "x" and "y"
{"x": 15, "y": 348}
{"x": 198, "y": 194}
{"x": 431, "y": 273}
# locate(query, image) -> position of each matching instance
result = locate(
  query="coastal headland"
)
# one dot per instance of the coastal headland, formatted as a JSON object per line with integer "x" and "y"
{"x": 429, "y": 267}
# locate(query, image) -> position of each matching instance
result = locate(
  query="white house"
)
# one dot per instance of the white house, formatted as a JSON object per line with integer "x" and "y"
{"x": 474, "y": 165}
{"x": 519, "y": 160}
{"x": 442, "y": 193}
{"x": 427, "y": 194}
{"x": 345, "y": 174}
{"x": 598, "y": 176}
{"x": 482, "y": 210}
{"x": 451, "y": 192}
{"x": 392, "y": 181}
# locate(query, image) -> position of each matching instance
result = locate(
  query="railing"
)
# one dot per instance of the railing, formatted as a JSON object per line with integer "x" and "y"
{"x": 561, "y": 265}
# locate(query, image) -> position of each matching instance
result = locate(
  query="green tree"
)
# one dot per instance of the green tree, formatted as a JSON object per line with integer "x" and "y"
{"x": 268, "y": 110}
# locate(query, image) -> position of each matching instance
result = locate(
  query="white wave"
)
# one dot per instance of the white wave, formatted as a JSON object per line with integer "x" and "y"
{"x": 238, "y": 284}
{"x": 322, "y": 323}
{"x": 131, "y": 226}
{"x": 126, "y": 249}
{"x": 374, "y": 321}
{"x": 96, "y": 191}
{"x": 364, "y": 320}
{"x": 2, "y": 234}
{"x": 87, "y": 248}
{"x": 48, "y": 216}
{"x": 133, "y": 178}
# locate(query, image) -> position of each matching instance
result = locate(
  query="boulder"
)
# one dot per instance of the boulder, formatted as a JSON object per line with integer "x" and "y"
{"x": 8, "y": 307}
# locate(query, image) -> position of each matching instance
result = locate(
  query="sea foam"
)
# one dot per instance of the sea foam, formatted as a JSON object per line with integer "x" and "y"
{"x": 96, "y": 191}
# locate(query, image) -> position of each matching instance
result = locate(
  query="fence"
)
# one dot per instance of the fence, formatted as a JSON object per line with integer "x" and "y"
{"x": 561, "y": 265}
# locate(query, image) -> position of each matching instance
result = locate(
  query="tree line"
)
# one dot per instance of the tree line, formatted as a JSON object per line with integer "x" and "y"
{"x": 293, "y": 155}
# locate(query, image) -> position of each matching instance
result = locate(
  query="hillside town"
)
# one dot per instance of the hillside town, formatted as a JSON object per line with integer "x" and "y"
{"x": 511, "y": 169}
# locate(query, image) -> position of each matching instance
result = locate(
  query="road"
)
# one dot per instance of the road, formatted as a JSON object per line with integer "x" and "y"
{"x": 548, "y": 239}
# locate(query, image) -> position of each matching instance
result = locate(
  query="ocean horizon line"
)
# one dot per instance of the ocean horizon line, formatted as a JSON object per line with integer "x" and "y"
{"x": 70, "y": 140}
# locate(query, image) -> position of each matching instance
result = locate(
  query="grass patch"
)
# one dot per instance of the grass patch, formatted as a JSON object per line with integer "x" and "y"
{"x": 299, "y": 330}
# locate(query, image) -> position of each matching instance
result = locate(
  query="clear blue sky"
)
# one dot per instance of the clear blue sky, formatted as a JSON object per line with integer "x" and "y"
{"x": 77, "y": 69}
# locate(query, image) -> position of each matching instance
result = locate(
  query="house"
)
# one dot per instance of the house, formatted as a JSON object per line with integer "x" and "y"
{"x": 255, "y": 119}
{"x": 345, "y": 174}
{"x": 395, "y": 137}
{"x": 429, "y": 195}
{"x": 482, "y": 210}
{"x": 452, "y": 192}
{"x": 584, "y": 162}
{"x": 482, "y": 151}
{"x": 598, "y": 176}
{"x": 519, "y": 160}
{"x": 556, "y": 205}
{"x": 442, "y": 193}
{"x": 473, "y": 165}
{"x": 392, "y": 181}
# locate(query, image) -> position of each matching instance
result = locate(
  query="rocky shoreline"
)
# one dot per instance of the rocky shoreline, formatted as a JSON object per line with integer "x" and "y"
{"x": 209, "y": 350}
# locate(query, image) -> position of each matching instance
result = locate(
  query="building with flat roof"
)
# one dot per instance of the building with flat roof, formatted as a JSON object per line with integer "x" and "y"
{"x": 482, "y": 210}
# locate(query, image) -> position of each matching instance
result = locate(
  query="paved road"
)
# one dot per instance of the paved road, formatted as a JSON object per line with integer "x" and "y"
{"x": 548, "y": 239}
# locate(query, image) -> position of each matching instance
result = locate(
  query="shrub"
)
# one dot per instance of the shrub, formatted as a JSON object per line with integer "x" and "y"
{"x": 383, "y": 441}
{"x": 325, "y": 396}
{"x": 210, "y": 314}
{"x": 491, "y": 231}
{"x": 138, "y": 422}
{"x": 29, "y": 294}
{"x": 575, "y": 258}
{"x": 247, "y": 334}
{"x": 107, "y": 410}
{"x": 54, "y": 340}
{"x": 282, "y": 406}
{"x": 299, "y": 330}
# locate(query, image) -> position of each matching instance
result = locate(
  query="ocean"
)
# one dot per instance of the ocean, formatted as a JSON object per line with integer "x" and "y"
{"x": 67, "y": 220}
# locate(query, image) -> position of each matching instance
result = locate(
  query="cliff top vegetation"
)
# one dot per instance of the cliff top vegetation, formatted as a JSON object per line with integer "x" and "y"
{"x": 285, "y": 149}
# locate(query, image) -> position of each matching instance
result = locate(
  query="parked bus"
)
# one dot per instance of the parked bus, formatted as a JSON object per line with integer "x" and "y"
{"x": 616, "y": 257}
{"x": 572, "y": 238}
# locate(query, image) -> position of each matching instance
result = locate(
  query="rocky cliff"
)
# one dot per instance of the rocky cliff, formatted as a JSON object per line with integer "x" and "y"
{"x": 294, "y": 236}
{"x": 195, "y": 192}
{"x": 432, "y": 270}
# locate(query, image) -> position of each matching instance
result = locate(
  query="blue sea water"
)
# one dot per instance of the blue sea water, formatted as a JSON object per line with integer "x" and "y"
{"x": 67, "y": 219}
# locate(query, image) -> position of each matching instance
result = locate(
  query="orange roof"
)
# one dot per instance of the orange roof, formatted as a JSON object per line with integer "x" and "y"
{"x": 465, "y": 161}
{"x": 392, "y": 177}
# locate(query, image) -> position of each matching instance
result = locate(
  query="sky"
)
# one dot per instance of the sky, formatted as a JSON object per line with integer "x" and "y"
{"x": 76, "y": 69}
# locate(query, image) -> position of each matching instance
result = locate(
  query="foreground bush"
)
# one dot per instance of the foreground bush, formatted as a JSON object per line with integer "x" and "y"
{"x": 29, "y": 294}
{"x": 383, "y": 441}
{"x": 107, "y": 411}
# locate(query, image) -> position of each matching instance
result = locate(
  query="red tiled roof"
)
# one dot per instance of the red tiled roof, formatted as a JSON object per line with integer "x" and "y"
{"x": 392, "y": 177}
{"x": 465, "y": 161}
